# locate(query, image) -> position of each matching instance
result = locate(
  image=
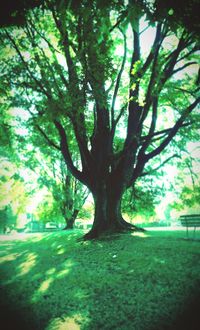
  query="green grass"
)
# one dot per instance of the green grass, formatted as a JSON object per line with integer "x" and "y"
{"x": 142, "y": 281}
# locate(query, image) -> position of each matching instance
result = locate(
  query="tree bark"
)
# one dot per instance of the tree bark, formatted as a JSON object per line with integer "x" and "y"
{"x": 70, "y": 221}
{"x": 108, "y": 218}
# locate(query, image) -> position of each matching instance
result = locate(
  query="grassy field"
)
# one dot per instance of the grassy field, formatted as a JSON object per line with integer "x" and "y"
{"x": 146, "y": 281}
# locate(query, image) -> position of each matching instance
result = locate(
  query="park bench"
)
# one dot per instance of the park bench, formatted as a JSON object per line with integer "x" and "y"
{"x": 190, "y": 220}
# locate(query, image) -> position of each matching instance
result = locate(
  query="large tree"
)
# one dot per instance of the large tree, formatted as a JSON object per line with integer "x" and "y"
{"x": 80, "y": 69}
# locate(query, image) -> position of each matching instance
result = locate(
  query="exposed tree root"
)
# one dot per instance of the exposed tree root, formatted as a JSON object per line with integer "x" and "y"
{"x": 121, "y": 226}
{"x": 128, "y": 225}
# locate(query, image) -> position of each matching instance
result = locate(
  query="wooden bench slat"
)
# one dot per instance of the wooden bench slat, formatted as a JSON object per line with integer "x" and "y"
{"x": 190, "y": 216}
{"x": 190, "y": 224}
{"x": 190, "y": 220}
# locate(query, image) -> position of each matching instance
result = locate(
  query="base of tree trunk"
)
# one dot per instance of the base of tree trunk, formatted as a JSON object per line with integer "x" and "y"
{"x": 122, "y": 227}
{"x": 68, "y": 227}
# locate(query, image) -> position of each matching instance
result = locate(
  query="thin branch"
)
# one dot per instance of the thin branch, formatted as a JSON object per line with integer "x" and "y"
{"x": 149, "y": 99}
{"x": 53, "y": 51}
{"x": 165, "y": 131}
{"x": 183, "y": 67}
{"x": 186, "y": 91}
{"x": 82, "y": 140}
{"x": 193, "y": 50}
{"x": 166, "y": 74}
{"x": 65, "y": 42}
{"x": 25, "y": 84}
{"x": 152, "y": 125}
{"x": 173, "y": 131}
{"x": 169, "y": 66}
{"x": 156, "y": 44}
{"x": 192, "y": 174}
{"x": 121, "y": 18}
{"x": 118, "y": 79}
{"x": 146, "y": 28}
{"x": 26, "y": 64}
{"x": 50, "y": 142}
{"x": 31, "y": 31}
{"x": 142, "y": 158}
{"x": 161, "y": 165}
{"x": 120, "y": 114}
{"x": 112, "y": 134}
{"x": 51, "y": 47}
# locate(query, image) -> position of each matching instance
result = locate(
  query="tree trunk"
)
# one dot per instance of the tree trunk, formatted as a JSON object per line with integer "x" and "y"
{"x": 108, "y": 217}
{"x": 70, "y": 221}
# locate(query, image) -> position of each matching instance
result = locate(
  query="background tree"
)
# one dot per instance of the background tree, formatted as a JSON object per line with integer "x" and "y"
{"x": 187, "y": 182}
{"x": 69, "y": 195}
{"x": 45, "y": 162}
{"x": 7, "y": 220}
{"x": 189, "y": 197}
{"x": 14, "y": 194}
{"x": 66, "y": 68}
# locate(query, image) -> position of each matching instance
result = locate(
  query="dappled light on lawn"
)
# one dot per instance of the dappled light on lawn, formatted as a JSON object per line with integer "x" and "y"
{"x": 140, "y": 234}
{"x": 60, "y": 249}
{"x": 66, "y": 323}
{"x": 10, "y": 257}
{"x": 27, "y": 265}
{"x": 62, "y": 273}
{"x": 51, "y": 271}
{"x": 45, "y": 285}
{"x": 52, "y": 275}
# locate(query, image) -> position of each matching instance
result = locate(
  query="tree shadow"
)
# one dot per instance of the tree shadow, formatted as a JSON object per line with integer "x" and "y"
{"x": 52, "y": 281}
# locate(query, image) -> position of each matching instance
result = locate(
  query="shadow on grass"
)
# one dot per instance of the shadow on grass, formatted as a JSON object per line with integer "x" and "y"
{"x": 142, "y": 281}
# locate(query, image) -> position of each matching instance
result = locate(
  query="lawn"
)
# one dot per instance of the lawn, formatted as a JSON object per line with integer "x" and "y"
{"x": 141, "y": 281}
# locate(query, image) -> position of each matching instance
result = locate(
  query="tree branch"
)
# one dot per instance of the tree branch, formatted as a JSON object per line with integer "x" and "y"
{"x": 152, "y": 57}
{"x": 193, "y": 50}
{"x": 164, "y": 132}
{"x": 173, "y": 131}
{"x": 78, "y": 121}
{"x": 121, "y": 18}
{"x": 134, "y": 108}
{"x": 152, "y": 126}
{"x": 143, "y": 158}
{"x": 66, "y": 153}
{"x": 26, "y": 64}
{"x": 186, "y": 91}
{"x": 161, "y": 165}
{"x": 183, "y": 67}
{"x": 81, "y": 137}
{"x": 152, "y": 52}
{"x": 169, "y": 66}
{"x": 53, "y": 51}
{"x": 50, "y": 142}
{"x": 118, "y": 80}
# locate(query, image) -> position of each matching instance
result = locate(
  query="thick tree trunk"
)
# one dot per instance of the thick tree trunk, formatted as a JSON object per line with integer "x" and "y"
{"x": 108, "y": 217}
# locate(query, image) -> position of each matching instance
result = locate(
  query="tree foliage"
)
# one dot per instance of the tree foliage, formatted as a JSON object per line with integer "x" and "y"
{"x": 142, "y": 199}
